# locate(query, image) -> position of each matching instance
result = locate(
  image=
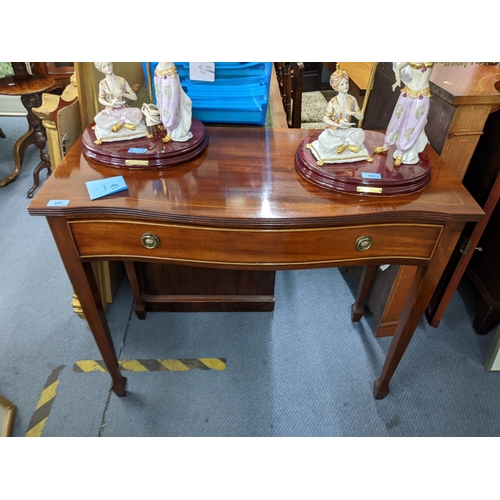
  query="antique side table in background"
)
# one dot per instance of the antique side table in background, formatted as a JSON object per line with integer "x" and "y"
{"x": 30, "y": 89}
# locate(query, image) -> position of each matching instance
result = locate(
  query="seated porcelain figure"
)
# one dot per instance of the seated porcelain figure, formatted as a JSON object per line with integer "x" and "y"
{"x": 406, "y": 127}
{"x": 117, "y": 121}
{"x": 174, "y": 106}
{"x": 341, "y": 142}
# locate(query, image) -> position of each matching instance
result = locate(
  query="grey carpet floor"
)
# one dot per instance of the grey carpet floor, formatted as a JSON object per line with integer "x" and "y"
{"x": 302, "y": 370}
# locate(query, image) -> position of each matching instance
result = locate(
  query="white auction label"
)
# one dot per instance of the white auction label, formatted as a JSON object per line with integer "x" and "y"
{"x": 203, "y": 71}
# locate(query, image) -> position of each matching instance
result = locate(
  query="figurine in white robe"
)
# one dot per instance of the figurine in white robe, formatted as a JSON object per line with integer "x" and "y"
{"x": 117, "y": 121}
{"x": 341, "y": 142}
{"x": 174, "y": 106}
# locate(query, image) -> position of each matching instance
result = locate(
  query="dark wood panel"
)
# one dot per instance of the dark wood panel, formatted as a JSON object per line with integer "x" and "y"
{"x": 484, "y": 268}
{"x": 195, "y": 289}
{"x": 312, "y": 76}
{"x": 487, "y": 310}
{"x": 382, "y": 99}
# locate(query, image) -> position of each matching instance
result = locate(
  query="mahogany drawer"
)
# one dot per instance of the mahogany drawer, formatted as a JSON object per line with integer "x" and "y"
{"x": 111, "y": 239}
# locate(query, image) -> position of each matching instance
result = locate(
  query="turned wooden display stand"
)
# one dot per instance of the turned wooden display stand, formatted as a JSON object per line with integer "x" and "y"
{"x": 158, "y": 153}
{"x": 378, "y": 177}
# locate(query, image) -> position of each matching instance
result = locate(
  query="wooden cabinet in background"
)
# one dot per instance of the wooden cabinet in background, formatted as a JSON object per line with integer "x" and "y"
{"x": 484, "y": 270}
{"x": 60, "y": 71}
{"x": 462, "y": 99}
{"x": 312, "y": 76}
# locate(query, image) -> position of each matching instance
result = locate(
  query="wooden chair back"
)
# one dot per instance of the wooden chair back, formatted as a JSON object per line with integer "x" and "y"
{"x": 290, "y": 77}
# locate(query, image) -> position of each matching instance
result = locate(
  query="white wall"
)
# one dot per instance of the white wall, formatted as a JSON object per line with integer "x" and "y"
{"x": 11, "y": 106}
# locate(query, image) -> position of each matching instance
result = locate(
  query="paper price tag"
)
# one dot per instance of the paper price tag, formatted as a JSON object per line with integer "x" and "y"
{"x": 105, "y": 187}
{"x": 370, "y": 175}
{"x": 58, "y": 203}
{"x": 202, "y": 71}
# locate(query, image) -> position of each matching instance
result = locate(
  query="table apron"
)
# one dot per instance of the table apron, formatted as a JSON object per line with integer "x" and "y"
{"x": 256, "y": 248}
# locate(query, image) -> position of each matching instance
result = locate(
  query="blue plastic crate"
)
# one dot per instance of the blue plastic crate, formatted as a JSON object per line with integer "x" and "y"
{"x": 230, "y": 69}
{"x": 239, "y": 94}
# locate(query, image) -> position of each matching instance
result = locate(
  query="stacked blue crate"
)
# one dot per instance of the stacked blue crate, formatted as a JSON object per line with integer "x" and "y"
{"x": 239, "y": 94}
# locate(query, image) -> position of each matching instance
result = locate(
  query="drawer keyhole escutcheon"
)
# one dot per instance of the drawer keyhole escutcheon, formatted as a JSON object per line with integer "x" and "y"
{"x": 150, "y": 240}
{"x": 363, "y": 243}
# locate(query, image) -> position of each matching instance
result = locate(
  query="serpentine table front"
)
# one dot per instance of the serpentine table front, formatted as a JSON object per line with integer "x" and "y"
{"x": 233, "y": 216}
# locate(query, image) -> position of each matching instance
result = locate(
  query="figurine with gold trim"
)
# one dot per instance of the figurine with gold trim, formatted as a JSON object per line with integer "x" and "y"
{"x": 117, "y": 121}
{"x": 174, "y": 106}
{"x": 164, "y": 134}
{"x": 406, "y": 127}
{"x": 341, "y": 141}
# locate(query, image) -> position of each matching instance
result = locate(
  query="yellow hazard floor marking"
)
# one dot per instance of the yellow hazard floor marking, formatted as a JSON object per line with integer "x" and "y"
{"x": 89, "y": 365}
{"x": 44, "y": 405}
{"x": 153, "y": 365}
{"x": 132, "y": 365}
{"x": 174, "y": 365}
{"x": 37, "y": 430}
{"x": 47, "y": 394}
{"x": 214, "y": 363}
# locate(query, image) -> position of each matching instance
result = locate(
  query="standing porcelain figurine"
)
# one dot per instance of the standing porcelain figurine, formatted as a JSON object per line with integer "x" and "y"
{"x": 342, "y": 141}
{"x": 117, "y": 121}
{"x": 406, "y": 127}
{"x": 174, "y": 106}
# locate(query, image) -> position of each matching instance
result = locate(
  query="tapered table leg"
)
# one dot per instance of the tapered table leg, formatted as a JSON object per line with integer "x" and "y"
{"x": 133, "y": 276}
{"x": 358, "y": 308}
{"x": 423, "y": 286}
{"x": 85, "y": 286}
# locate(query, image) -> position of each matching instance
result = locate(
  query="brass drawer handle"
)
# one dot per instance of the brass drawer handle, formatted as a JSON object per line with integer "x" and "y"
{"x": 363, "y": 243}
{"x": 150, "y": 240}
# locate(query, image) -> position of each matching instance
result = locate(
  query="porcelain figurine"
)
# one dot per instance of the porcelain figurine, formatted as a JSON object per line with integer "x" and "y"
{"x": 406, "y": 127}
{"x": 117, "y": 121}
{"x": 174, "y": 106}
{"x": 342, "y": 141}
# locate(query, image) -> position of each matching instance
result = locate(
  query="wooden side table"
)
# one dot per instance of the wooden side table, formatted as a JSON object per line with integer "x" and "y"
{"x": 29, "y": 88}
{"x": 241, "y": 210}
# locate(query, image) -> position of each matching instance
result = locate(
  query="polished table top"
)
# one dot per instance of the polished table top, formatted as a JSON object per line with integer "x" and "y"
{"x": 24, "y": 85}
{"x": 467, "y": 84}
{"x": 246, "y": 177}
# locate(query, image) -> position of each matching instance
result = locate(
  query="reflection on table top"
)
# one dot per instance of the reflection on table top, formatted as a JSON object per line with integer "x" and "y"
{"x": 246, "y": 177}
{"x": 22, "y": 85}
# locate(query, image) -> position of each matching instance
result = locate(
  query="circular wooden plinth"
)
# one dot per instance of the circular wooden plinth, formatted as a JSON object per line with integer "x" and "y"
{"x": 158, "y": 153}
{"x": 377, "y": 178}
